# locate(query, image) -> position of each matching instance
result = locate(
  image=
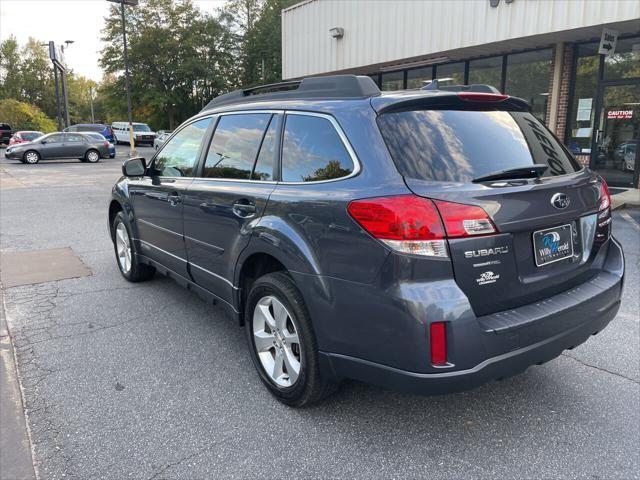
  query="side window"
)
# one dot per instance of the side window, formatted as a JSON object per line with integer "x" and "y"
{"x": 74, "y": 137}
{"x": 235, "y": 145}
{"x": 57, "y": 138}
{"x": 266, "y": 158}
{"x": 312, "y": 150}
{"x": 72, "y": 129}
{"x": 178, "y": 157}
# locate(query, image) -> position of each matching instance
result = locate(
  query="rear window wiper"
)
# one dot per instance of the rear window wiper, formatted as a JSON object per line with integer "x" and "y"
{"x": 530, "y": 171}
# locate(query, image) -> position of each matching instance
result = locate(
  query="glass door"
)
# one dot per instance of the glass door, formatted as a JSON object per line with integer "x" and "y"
{"x": 614, "y": 154}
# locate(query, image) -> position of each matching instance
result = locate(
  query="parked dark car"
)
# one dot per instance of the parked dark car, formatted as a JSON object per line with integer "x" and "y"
{"x": 104, "y": 130}
{"x": 428, "y": 241}
{"x": 60, "y": 145}
{"x": 99, "y": 136}
{"x": 24, "y": 136}
{"x": 5, "y": 133}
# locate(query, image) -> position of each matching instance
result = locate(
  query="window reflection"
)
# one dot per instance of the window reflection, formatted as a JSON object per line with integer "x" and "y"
{"x": 528, "y": 77}
{"x": 313, "y": 151}
{"x": 178, "y": 156}
{"x": 235, "y": 145}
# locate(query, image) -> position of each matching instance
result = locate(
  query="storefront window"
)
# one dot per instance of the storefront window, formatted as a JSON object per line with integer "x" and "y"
{"x": 375, "y": 78}
{"x": 419, "y": 77}
{"x": 393, "y": 81}
{"x": 451, "y": 73}
{"x": 487, "y": 71}
{"x": 625, "y": 62}
{"x": 583, "y": 104}
{"x": 528, "y": 78}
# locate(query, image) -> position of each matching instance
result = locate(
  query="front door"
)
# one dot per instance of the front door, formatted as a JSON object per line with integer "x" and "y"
{"x": 615, "y": 151}
{"x": 158, "y": 197}
{"x": 54, "y": 146}
{"x": 223, "y": 204}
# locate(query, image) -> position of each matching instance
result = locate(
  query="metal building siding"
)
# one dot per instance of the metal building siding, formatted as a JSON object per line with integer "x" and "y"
{"x": 379, "y": 31}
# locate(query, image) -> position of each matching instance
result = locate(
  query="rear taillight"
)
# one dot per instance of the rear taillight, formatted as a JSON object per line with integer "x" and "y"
{"x": 482, "y": 97}
{"x": 438, "y": 343}
{"x": 464, "y": 220}
{"x": 406, "y": 223}
{"x": 605, "y": 196}
{"x": 412, "y": 224}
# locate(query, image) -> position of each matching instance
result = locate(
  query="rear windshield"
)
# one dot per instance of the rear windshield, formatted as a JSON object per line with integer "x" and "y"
{"x": 460, "y": 145}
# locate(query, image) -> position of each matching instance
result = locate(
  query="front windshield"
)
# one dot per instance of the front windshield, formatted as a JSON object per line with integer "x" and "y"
{"x": 141, "y": 128}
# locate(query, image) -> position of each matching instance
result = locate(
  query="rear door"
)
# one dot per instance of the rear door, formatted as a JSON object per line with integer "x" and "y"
{"x": 228, "y": 196}
{"x": 545, "y": 238}
{"x": 158, "y": 197}
{"x": 75, "y": 145}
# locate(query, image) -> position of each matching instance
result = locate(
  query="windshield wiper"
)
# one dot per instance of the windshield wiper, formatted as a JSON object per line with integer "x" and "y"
{"x": 530, "y": 171}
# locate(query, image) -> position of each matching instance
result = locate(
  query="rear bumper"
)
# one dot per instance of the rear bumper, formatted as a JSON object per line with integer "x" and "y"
{"x": 493, "y": 347}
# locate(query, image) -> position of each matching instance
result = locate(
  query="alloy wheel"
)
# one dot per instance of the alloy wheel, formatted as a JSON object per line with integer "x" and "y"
{"x": 123, "y": 248}
{"x": 275, "y": 337}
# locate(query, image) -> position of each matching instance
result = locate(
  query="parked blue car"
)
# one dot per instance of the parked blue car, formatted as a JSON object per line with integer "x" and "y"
{"x": 104, "y": 130}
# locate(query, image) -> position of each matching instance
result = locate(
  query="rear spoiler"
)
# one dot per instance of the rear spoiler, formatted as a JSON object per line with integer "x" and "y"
{"x": 454, "y": 101}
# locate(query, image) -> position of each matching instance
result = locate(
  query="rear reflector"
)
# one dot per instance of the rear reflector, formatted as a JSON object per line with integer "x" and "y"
{"x": 605, "y": 196}
{"x": 406, "y": 223}
{"x": 464, "y": 220}
{"x": 438, "y": 343}
{"x": 482, "y": 97}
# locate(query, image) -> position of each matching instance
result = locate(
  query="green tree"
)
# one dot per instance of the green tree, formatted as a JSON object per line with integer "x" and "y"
{"x": 179, "y": 59}
{"x": 23, "y": 116}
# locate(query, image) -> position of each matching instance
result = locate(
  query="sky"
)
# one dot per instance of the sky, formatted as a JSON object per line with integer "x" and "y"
{"x": 60, "y": 20}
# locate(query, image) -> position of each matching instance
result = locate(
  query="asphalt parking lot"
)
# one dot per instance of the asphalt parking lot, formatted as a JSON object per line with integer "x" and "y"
{"x": 147, "y": 381}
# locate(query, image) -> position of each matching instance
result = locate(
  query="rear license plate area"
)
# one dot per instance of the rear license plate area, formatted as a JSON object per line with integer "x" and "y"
{"x": 553, "y": 244}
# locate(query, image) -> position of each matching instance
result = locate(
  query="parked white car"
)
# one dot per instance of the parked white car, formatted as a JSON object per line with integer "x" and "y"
{"x": 141, "y": 131}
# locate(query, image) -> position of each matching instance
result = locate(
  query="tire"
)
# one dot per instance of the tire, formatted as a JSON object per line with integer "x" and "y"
{"x": 92, "y": 156}
{"x": 307, "y": 387}
{"x": 31, "y": 157}
{"x": 133, "y": 270}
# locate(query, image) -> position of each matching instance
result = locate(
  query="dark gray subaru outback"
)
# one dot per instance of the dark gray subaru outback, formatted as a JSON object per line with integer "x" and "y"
{"x": 427, "y": 241}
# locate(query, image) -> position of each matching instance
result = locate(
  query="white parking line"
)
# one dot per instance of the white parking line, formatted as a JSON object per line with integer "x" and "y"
{"x": 630, "y": 219}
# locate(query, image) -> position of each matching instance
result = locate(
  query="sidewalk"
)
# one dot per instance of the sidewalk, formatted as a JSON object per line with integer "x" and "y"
{"x": 628, "y": 198}
{"x": 15, "y": 449}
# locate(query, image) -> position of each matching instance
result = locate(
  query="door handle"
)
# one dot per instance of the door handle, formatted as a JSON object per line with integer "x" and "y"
{"x": 174, "y": 199}
{"x": 244, "y": 208}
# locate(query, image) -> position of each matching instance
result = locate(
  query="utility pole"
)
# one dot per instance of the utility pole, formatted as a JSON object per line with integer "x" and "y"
{"x": 126, "y": 70}
{"x": 91, "y": 102}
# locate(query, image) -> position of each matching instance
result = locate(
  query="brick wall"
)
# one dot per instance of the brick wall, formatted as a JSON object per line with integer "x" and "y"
{"x": 565, "y": 79}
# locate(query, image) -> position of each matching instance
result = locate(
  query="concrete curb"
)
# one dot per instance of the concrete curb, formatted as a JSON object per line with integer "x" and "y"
{"x": 16, "y": 461}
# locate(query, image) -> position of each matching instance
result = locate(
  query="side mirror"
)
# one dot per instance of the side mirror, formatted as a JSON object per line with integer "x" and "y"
{"x": 43, "y": 142}
{"x": 134, "y": 167}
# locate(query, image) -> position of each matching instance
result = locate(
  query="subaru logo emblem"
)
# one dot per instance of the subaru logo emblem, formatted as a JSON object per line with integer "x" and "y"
{"x": 560, "y": 200}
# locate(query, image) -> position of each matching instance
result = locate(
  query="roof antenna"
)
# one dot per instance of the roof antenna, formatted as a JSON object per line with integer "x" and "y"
{"x": 433, "y": 85}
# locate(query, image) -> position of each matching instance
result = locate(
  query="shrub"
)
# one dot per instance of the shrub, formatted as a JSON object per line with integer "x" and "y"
{"x": 25, "y": 116}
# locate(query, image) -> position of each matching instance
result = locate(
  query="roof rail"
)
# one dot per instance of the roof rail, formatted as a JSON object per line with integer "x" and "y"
{"x": 329, "y": 87}
{"x": 475, "y": 87}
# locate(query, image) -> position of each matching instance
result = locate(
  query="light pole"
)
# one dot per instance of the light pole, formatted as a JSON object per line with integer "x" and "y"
{"x": 126, "y": 70}
{"x": 65, "y": 95}
{"x": 55, "y": 76}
